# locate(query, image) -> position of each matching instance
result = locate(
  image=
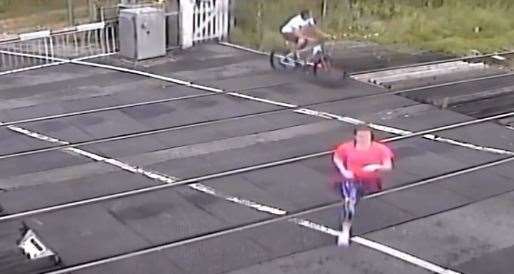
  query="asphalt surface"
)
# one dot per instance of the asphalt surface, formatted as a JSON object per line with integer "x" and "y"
{"x": 461, "y": 223}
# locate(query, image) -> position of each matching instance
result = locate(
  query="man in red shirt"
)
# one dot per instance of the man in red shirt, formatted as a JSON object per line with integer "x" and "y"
{"x": 359, "y": 162}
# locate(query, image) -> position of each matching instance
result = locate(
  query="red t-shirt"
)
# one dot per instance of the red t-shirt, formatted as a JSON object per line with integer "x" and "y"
{"x": 354, "y": 160}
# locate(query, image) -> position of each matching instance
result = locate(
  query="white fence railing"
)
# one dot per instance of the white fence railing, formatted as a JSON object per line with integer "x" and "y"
{"x": 79, "y": 41}
{"x": 199, "y": 20}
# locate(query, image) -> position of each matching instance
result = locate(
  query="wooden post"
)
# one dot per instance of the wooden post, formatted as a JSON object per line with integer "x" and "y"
{"x": 225, "y": 14}
{"x": 186, "y": 22}
{"x": 173, "y": 23}
{"x": 323, "y": 10}
{"x": 93, "y": 15}
{"x": 71, "y": 15}
{"x": 231, "y": 17}
{"x": 260, "y": 30}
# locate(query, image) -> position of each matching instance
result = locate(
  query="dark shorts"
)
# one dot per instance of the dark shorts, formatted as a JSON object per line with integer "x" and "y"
{"x": 356, "y": 189}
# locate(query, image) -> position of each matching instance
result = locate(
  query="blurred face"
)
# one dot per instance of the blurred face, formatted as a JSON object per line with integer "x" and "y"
{"x": 363, "y": 138}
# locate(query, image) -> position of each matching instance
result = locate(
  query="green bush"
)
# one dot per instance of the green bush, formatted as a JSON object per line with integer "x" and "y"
{"x": 4, "y": 4}
{"x": 452, "y": 26}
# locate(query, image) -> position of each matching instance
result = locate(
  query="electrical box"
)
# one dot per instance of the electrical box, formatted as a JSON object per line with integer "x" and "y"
{"x": 142, "y": 33}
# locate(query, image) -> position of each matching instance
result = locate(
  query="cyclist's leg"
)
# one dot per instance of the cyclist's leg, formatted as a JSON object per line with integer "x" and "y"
{"x": 291, "y": 42}
{"x": 310, "y": 35}
{"x": 302, "y": 41}
{"x": 314, "y": 42}
{"x": 349, "y": 192}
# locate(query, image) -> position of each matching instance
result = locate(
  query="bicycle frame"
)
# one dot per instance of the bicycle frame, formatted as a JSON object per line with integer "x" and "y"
{"x": 314, "y": 58}
{"x": 312, "y": 49}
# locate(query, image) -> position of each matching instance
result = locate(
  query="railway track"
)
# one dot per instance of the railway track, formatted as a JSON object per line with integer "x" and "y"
{"x": 218, "y": 92}
{"x": 190, "y": 181}
{"x": 294, "y": 217}
{"x": 231, "y": 172}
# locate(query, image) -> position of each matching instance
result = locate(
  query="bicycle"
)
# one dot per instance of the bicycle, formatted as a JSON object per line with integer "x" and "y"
{"x": 315, "y": 57}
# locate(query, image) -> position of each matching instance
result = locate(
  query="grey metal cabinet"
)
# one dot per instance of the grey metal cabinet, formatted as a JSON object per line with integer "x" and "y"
{"x": 142, "y": 33}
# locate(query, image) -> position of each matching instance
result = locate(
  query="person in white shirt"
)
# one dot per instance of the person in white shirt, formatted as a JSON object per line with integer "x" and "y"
{"x": 298, "y": 30}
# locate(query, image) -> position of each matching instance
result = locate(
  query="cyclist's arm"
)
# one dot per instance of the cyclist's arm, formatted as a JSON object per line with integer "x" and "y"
{"x": 318, "y": 30}
{"x": 387, "y": 164}
{"x": 316, "y": 33}
{"x": 387, "y": 159}
{"x": 340, "y": 165}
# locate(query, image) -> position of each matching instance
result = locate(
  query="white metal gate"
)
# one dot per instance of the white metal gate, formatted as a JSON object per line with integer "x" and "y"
{"x": 43, "y": 47}
{"x": 204, "y": 20}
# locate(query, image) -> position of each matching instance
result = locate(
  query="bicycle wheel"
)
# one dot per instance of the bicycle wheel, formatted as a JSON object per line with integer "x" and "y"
{"x": 279, "y": 63}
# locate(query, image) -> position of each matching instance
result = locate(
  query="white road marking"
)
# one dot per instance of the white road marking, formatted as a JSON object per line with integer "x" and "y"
{"x": 295, "y": 108}
{"x": 305, "y": 111}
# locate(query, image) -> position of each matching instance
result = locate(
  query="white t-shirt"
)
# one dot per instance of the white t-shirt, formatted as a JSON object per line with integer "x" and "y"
{"x": 295, "y": 23}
